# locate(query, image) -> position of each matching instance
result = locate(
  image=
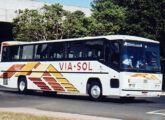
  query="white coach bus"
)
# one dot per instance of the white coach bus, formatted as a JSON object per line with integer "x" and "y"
{"x": 113, "y": 65}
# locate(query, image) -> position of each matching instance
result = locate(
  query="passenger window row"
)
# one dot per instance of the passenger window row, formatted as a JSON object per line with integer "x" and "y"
{"x": 92, "y": 49}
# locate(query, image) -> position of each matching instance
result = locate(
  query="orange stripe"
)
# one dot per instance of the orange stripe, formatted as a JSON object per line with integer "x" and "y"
{"x": 55, "y": 84}
{"x": 14, "y": 68}
{"x": 36, "y": 65}
{"x": 35, "y": 79}
{"x": 59, "y": 89}
{"x": 40, "y": 83}
{"x": 49, "y": 79}
{"x": 46, "y": 74}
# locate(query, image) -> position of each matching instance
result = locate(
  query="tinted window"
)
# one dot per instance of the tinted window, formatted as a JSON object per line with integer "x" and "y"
{"x": 75, "y": 50}
{"x": 94, "y": 49}
{"x": 41, "y": 51}
{"x": 49, "y": 51}
{"x": 14, "y": 52}
{"x": 114, "y": 53}
{"x": 5, "y": 54}
{"x": 27, "y": 52}
{"x": 56, "y": 50}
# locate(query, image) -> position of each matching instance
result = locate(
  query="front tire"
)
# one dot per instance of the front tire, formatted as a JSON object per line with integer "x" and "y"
{"x": 22, "y": 85}
{"x": 95, "y": 91}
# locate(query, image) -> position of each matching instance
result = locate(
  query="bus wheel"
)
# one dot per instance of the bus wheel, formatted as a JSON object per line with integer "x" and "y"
{"x": 95, "y": 91}
{"x": 22, "y": 85}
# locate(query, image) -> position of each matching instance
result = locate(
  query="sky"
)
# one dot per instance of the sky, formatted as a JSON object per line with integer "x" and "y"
{"x": 81, "y": 3}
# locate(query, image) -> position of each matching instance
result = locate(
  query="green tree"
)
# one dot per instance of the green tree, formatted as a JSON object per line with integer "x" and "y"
{"x": 50, "y": 22}
{"x": 27, "y": 26}
{"x": 53, "y": 17}
{"x": 43, "y": 24}
{"x": 145, "y": 18}
{"x": 76, "y": 25}
{"x": 108, "y": 18}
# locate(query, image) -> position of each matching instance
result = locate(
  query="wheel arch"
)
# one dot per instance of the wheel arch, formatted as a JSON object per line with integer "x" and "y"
{"x": 91, "y": 80}
{"x": 20, "y": 77}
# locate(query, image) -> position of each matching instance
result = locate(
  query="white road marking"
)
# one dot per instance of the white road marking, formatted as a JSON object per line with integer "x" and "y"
{"x": 157, "y": 112}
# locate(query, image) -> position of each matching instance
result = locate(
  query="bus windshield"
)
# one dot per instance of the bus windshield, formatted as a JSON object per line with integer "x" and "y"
{"x": 140, "y": 56}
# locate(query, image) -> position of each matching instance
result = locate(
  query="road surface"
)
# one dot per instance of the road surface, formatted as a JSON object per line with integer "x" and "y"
{"x": 138, "y": 109}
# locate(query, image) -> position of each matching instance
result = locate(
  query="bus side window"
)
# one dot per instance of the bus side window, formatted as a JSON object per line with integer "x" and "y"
{"x": 114, "y": 54}
{"x": 14, "y": 53}
{"x": 36, "y": 52}
{"x": 27, "y": 52}
{"x": 56, "y": 50}
{"x": 94, "y": 49}
{"x": 5, "y": 54}
{"x": 75, "y": 50}
{"x": 107, "y": 54}
{"x": 41, "y": 51}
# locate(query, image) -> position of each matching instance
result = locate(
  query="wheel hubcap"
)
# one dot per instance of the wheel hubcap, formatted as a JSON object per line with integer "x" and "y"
{"x": 95, "y": 91}
{"x": 22, "y": 85}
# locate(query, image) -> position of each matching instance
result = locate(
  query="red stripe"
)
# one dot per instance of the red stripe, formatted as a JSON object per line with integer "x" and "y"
{"x": 36, "y": 65}
{"x": 14, "y": 68}
{"x": 55, "y": 84}
{"x": 40, "y": 83}
{"x": 49, "y": 79}
{"x": 5, "y": 44}
{"x": 35, "y": 79}
{"x": 46, "y": 74}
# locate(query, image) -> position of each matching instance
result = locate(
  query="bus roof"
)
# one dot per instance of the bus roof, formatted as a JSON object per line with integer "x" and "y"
{"x": 108, "y": 37}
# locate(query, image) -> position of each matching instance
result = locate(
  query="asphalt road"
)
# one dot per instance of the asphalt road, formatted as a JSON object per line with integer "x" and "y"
{"x": 138, "y": 109}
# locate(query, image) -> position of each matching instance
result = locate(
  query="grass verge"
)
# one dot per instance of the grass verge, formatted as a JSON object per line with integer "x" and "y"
{"x": 22, "y": 116}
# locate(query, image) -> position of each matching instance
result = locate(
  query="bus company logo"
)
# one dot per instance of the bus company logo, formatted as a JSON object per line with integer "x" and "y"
{"x": 79, "y": 66}
{"x": 44, "y": 76}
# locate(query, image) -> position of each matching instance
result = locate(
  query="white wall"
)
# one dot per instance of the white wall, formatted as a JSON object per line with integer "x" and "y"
{"x": 8, "y": 8}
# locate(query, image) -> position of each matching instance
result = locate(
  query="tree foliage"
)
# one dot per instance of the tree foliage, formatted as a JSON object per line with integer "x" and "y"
{"x": 144, "y": 18}
{"x": 53, "y": 21}
{"x": 134, "y": 17}
{"x": 50, "y": 22}
{"x": 76, "y": 25}
{"x": 25, "y": 26}
{"x": 108, "y": 18}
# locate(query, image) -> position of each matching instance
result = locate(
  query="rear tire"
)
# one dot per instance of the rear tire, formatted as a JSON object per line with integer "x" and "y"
{"x": 95, "y": 91}
{"x": 22, "y": 85}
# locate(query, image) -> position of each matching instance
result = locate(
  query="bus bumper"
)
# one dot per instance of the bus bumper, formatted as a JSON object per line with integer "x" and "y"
{"x": 140, "y": 93}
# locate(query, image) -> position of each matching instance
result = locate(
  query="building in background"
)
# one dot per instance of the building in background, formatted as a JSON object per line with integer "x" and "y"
{"x": 8, "y": 8}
